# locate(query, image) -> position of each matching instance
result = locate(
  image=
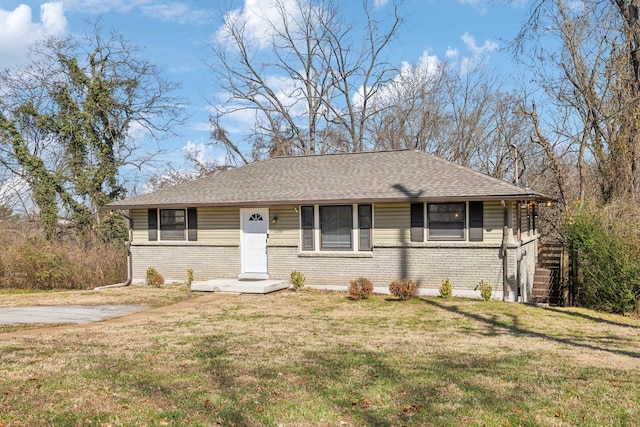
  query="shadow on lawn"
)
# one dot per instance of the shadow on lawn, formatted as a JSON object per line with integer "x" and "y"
{"x": 355, "y": 386}
{"x": 496, "y": 327}
{"x": 588, "y": 317}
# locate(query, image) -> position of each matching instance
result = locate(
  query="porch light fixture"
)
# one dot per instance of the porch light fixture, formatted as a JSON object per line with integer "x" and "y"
{"x": 274, "y": 219}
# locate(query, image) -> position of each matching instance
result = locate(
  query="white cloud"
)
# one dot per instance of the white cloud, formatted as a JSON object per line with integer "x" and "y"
{"x": 479, "y": 54}
{"x": 196, "y": 151}
{"x": 452, "y": 52}
{"x": 410, "y": 76}
{"x": 164, "y": 10}
{"x": 15, "y": 194}
{"x": 476, "y": 4}
{"x": 17, "y": 29}
{"x": 257, "y": 17}
{"x": 379, "y": 3}
{"x": 470, "y": 42}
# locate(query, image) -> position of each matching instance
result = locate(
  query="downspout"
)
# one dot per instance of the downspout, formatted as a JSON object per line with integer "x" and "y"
{"x": 518, "y": 250}
{"x": 129, "y": 264}
{"x": 503, "y": 250}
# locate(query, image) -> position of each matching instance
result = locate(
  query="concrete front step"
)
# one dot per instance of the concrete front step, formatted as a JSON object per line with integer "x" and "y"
{"x": 239, "y": 286}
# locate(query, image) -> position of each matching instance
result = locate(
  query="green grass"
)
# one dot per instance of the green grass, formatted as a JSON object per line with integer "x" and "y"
{"x": 320, "y": 359}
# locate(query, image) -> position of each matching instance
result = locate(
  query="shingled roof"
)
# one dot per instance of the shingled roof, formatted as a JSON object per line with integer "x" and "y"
{"x": 383, "y": 176}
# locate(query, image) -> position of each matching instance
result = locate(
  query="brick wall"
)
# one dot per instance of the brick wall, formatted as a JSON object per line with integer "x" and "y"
{"x": 172, "y": 261}
{"x": 464, "y": 265}
{"x": 427, "y": 266}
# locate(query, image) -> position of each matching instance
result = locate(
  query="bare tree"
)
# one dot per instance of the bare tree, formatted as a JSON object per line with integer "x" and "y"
{"x": 306, "y": 82}
{"x": 66, "y": 120}
{"x": 463, "y": 115}
{"x": 585, "y": 59}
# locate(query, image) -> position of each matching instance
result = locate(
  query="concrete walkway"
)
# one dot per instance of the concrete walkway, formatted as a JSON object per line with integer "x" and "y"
{"x": 78, "y": 314}
{"x": 240, "y": 286}
{"x": 144, "y": 315}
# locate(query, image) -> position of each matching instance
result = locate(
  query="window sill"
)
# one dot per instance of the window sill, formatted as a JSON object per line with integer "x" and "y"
{"x": 335, "y": 254}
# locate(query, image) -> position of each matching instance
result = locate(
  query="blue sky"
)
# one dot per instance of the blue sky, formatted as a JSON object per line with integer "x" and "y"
{"x": 175, "y": 35}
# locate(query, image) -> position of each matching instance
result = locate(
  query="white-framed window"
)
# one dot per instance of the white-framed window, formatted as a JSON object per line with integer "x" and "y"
{"x": 336, "y": 227}
{"x": 446, "y": 221}
{"x": 173, "y": 224}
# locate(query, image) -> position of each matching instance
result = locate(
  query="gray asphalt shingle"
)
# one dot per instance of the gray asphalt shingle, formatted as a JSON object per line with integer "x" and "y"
{"x": 352, "y": 177}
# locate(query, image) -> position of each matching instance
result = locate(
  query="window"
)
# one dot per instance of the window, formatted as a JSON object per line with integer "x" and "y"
{"x": 172, "y": 224}
{"x": 364, "y": 226}
{"x": 336, "y": 223}
{"x": 417, "y": 222}
{"x": 446, "y": 221}
{"x": 306, "y": 219}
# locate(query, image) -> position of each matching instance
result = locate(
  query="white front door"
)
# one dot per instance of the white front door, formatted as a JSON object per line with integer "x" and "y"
{"x": 255, "y": 224}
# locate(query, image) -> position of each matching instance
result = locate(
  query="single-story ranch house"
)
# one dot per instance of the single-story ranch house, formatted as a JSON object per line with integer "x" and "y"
{"x": 380, "y": 215}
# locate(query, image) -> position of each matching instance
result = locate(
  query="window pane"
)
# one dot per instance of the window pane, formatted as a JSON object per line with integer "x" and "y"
{"x": 446, "y": 220}
{"x": 306, "y": 214}
{"x": 365, "y": 239}
{"x": 417, "y": 214}
{"x": 364, "y": 216}
{"x": 335, "y": 227}
{"x": 172, "y": 224}
{"x": 307, "y": 239}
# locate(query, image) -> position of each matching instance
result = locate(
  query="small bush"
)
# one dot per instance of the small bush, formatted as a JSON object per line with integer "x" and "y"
{"x": 485, "y": 290}
{"x": 403, "y": 289}
{"x": 360, "y": 288}
{"x": 158, "y": 280}
{"x": 189, "y": 276}
{"x": 154, "y": 278}
{"x": 297, "y": 280}
{"x": 446, "y": 289}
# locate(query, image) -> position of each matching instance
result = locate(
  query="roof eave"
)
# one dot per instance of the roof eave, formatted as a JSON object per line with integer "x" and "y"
{"x": 537, "y": 197}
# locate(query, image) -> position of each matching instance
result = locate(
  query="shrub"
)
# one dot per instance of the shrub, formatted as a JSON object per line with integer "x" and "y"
{"x": 77, "y": 262}
{"x": 297, "y": 280}
{"x": 403, "y": 289}
{"x": 158, "y": 280}
{"x": 606, "y": 248}
{"x": 154, "y": 278}
{"x": 360, "y": 288}
{"x": 446, "y": 289}
{"x": 189, "y": 276}
{"x": 485, "y": 290}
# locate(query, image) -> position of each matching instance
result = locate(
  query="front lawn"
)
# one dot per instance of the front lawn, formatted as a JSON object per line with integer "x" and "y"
{"x": 319, "y": 359}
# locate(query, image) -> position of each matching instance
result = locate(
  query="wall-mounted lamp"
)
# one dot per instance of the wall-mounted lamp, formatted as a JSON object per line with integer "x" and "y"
{"x": 274, "y": 219}
{"x": 549, "y": 203}
{"x": 295, "y": 209}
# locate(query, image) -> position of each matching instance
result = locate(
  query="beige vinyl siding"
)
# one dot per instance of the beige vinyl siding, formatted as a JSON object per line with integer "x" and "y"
{"x": 392, "y": 223}
{"x": 140, "y": 225}
{"x": 219, "y": 225}
{"x": 286, "y": 230}
{"x": 493, "y": 221}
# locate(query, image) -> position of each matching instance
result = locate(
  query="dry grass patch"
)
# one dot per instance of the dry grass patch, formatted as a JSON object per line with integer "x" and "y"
{"x": 320, "y": 359}
{"x": 154, "y": 297}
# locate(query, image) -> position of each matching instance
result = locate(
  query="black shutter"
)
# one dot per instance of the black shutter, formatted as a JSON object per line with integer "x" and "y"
{"x": 307, "y": 224}
{"x": 417, "y": 222}
{"x": 153, "y": 224}
{"x": 476, "y": 223}
{"x": 192, "y": 221}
